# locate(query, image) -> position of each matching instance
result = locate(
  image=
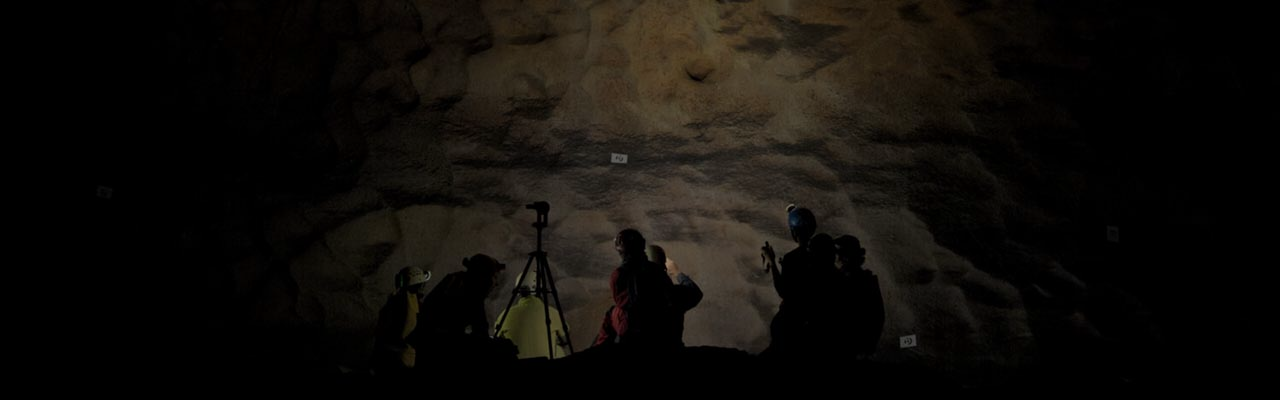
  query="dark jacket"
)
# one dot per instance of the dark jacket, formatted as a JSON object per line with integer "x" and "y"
{"x": 455, "y": 305}
{"x": 396, "y": 321}
{"x": 865, "y": 310}
{"x": 686, "y": 295}
{"x": 806, "y": 282}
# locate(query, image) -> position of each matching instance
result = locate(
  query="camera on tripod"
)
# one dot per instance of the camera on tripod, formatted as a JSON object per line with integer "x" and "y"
{"x": 540, "y": 206}
{"x": 543, "y": 290}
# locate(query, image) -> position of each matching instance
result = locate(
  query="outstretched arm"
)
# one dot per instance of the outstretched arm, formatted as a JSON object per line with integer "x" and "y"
{"x": 771, "y": 264}
{"x": 685, "y": 294}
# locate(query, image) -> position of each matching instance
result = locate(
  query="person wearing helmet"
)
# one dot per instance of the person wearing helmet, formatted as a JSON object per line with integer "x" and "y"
{"x": 644, "y": 300}
{"x": 804, "y": 280}
{"x": 454, "y": 329}
{"x": 397, "y": 320}
{"x": 862, "y": 298}
{"x": 802, "y": 224}
{"x": 456, "y": 305}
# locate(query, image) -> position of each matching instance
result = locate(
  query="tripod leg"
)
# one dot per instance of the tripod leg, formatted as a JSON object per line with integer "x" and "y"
{"x": 543, "y": 273}
{"x": 514, "y": 292}
{"x": 551, "y": 283}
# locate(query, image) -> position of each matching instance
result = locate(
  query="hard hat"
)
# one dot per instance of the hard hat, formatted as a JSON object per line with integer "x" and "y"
{"x": 849, "y": 246}
{"x": 628, "y": 241}
{"x": 483, "y": 263}
{"x": 410, "y": 276}
{"x": 801, "y": 222}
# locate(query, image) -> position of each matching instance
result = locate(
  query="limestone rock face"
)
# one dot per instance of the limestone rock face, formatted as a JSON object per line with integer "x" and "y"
{"x": 428, "y": 124}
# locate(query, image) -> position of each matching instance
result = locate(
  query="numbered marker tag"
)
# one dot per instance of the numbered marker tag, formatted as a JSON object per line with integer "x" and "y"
{"x": 907, "y": 341}
{"x": 618, "y": 158}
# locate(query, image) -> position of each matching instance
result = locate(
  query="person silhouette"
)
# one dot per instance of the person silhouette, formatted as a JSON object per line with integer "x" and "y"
{"x": 863, "y": 300}
{"x": 646, "y": 303}
{"x": 397, "y": 319}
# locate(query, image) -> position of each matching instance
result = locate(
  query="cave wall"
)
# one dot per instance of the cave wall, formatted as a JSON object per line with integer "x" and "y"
{"x": 339, "y": 141}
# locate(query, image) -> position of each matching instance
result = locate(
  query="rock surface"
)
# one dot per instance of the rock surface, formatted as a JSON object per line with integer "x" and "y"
{"x": 366, "y": 136}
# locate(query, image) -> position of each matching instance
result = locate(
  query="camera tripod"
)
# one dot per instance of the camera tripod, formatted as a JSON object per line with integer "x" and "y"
{"x": 544, "y": 285}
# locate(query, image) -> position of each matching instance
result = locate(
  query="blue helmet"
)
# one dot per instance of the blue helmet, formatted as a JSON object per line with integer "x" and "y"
{"x": 801, "y": 222}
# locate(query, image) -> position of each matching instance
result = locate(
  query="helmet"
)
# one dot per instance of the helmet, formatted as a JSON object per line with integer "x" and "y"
{"x": 629, "y": 241}
{"x": 848, "y": 246}
{"x": 410, "y": 276}
{"x": 483, "y": 263}
{"x": 801, "y": 222}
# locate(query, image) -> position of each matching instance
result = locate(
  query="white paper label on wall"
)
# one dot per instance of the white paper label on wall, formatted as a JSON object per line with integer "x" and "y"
{"x": 907, "y": 341}
{"x": 618, "y": 158}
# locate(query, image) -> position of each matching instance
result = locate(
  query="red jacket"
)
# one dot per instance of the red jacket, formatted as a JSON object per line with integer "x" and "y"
{"x": 648, "y": 308}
